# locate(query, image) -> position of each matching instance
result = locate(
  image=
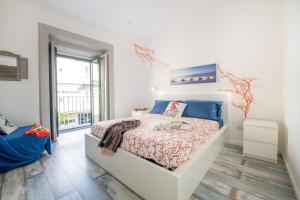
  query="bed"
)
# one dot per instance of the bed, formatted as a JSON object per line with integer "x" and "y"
{"x": 142, "y": 164}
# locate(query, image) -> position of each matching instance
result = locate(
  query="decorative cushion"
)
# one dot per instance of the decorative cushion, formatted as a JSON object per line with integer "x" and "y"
{"x": 159, "y": 106}
{"x": 175, "y": 109}
{"x": 6, "y": 127}
{"x": 2, "y": 119}
{"x": 203, "y": 109}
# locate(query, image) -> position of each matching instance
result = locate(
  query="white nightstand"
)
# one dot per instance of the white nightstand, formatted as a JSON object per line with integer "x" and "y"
{"x": 136, "y": 113}
{"x": 260, "y": 139}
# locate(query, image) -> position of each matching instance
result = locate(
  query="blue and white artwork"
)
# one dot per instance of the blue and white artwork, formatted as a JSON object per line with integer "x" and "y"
{"x": 194, "y": 75}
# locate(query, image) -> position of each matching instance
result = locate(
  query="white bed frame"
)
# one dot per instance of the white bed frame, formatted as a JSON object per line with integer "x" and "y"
{"x": 153, "y": 182}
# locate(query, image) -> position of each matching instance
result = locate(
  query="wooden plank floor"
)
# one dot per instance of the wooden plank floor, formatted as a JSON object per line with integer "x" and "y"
{"x": 69, "y": 175}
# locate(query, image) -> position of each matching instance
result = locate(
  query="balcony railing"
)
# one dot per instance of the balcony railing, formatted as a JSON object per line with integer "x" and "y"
{"x": 74, "y": 112}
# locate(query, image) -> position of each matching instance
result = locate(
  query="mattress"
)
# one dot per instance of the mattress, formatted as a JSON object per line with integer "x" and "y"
{"x": 168, "y": 148}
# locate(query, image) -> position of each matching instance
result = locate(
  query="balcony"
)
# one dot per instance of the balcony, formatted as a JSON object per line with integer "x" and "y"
{"x": 74, "y": 112}
{"x": 78, "y": 91}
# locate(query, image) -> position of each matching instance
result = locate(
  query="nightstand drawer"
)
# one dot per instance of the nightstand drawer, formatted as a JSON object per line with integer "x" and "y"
{"x": 262, "y": 150}
{"x": 261, "y": 134}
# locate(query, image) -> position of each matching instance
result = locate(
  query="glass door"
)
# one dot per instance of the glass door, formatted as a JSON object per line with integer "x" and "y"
{"x": 95, "y": 89}
{"x": 99, "y": 88}
{"x": 73, "y": 92}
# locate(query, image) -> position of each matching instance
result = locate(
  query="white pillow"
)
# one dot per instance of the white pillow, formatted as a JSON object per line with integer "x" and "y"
{"x": 2, "y": 119}
{"x": 6, "y": 126}
{"x": 175, "y": 109}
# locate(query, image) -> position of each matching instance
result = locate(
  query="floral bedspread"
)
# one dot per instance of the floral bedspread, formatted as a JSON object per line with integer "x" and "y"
{"x": 168, "y": 148}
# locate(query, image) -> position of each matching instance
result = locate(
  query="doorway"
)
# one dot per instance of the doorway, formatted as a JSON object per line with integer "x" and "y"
{"x": 80, "y": 91}
{"x": 54, "y": 42}
{"x": 74, "y": 93}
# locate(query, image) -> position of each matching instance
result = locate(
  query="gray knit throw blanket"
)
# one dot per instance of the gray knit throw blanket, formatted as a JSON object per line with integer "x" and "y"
{"x": 114, "y": 134}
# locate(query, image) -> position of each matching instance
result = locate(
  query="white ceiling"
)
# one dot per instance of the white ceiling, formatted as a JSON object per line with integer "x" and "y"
{"x": 133, "y": 18}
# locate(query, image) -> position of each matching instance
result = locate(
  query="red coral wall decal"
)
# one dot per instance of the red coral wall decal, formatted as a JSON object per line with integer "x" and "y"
{"x": 240, "y": 87}
{"x": 148, "y": 55}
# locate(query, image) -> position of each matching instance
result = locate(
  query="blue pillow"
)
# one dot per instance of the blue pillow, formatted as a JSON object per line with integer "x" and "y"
{"x": 204, "y": 109}
{"x": 160, "y": 106}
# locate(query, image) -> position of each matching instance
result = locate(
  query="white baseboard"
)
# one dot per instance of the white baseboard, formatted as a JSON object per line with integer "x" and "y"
{"x": 294, "y": 183}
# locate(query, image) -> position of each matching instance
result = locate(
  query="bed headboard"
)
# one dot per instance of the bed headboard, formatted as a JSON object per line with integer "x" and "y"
{"x": 213, "y": 97}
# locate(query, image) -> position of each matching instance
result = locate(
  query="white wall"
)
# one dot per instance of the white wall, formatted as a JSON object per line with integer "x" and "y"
{"x": 245, "y": 37}
{"x": 19, "y": 101}
{"x": 291, "y": 89}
